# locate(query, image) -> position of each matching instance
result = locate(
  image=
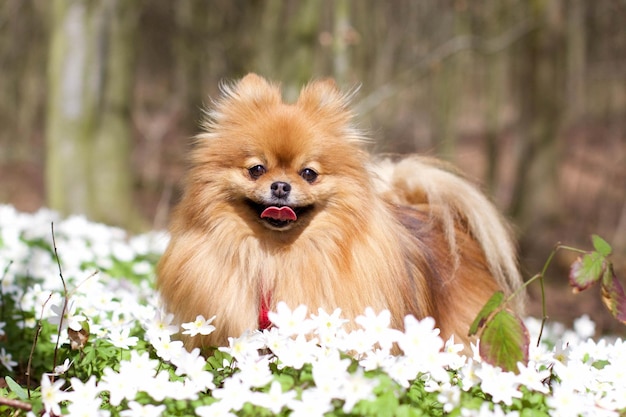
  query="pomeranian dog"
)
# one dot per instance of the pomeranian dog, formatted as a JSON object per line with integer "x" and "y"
{"x": 281, "y": 202}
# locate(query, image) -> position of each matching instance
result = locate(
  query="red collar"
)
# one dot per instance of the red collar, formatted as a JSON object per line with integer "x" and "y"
{"x": 265, "y": 299}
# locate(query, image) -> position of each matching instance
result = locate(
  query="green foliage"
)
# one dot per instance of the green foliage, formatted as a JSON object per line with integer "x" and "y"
{"x": 505, "y": 341}
{"x": 16, "y": 388}
{"x": 486, "y": 312}
{"x": 593, "y": 267}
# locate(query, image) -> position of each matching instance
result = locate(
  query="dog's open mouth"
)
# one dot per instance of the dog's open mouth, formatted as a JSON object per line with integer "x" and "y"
{"x": 279, "y": 216}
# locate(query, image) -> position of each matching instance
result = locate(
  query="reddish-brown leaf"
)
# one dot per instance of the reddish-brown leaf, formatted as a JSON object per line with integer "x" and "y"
{"x": 613, "y": 295}
{"x": 586, "y": 271}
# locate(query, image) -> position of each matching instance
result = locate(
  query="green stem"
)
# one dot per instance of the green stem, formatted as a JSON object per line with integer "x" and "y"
{"x": 540, "y": 276}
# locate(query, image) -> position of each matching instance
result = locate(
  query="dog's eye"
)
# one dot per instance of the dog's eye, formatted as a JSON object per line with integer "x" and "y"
{"x": 308, "y": 175}
{"x": 256, "y": 171}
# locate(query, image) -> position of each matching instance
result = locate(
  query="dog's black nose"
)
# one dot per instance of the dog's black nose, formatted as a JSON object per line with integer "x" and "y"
{"x": 280, "y": 189}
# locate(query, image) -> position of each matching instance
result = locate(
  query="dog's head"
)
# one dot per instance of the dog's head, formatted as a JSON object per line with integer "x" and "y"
{"x": 278, "y": 164}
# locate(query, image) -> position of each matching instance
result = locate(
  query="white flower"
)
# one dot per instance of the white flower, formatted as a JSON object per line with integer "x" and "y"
{"x": 7, "y": 360}
{"x": 377, "y": 328}
{"x": 357, "y": 388}
{"x": 275, "y": 399}
{"x": 403, "y": 369}
{"x": 217, "y": 409}
{"x": 83, "y": 393}
{"x": 452, "y": 352}
{"x": 63, "y": 368}
{"x": 501, "y": 385}
{"x": 567, "y": 402}
{"x": 256, "y": 372}
{"x": 330, "y": 373}
{"x": 199, "y": 326}
{"x": 468, "y": 375}
{"x": 584, "y": 327}
{"x": 120, "y": 386}
{"x": 562, "y": 352}
{"x": 358, "y": 341}
{"x": 296, "y": 352}
{"x": 192, "y": 365}
{"x": 532, "y": 378}
{"x": 160, "y": 326}
{"x": 51, "y": 394}
{"x": 312, "y": 404}
{"x": 90, "y": 409}
{"x": 377, "y": 359}
{"x": 449, "y": 396}
{"x": 419, "y": 336}
{"x": 576, "y": 374}
{"x": 244, "y": 347}
{"x": 167, "y": 349}
{"x": 142, "y": 268}
{"x": 121, "y": 338}
{"x": 70, "y": 318}
{"x": 290, "y": 322}
{"x": 326, "y": 326}
{"x": 233, "y": 394}
{"x": 160, "y": 387}
{"x": 2, "y": 325}
{"x": 138, "y": 410}
{"x": 140, "y": 366}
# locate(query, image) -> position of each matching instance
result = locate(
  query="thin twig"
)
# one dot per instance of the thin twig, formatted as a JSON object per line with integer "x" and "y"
{"x": 32, "y": 348}
{"x": 65, "y": 298}
{"x": 540, "y": 276}
{"x": 19, "y": 405}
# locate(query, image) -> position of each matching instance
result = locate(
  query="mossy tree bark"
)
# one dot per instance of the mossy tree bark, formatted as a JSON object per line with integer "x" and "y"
{"x": 88, "y": 135}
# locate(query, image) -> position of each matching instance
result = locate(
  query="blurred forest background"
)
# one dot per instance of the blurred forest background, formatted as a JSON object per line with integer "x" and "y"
{"x": 98, "y": 100}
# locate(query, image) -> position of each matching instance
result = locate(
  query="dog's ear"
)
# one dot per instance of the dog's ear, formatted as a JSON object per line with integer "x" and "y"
{"x": 252, "y": 89}
{"x": 322, "y": 95}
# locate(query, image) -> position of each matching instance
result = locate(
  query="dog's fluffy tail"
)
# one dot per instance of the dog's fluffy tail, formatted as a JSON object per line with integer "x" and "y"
{"x": 420, "y": 180}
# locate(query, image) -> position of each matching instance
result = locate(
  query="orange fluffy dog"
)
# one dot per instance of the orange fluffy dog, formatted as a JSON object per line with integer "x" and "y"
{"x": 282, "y": 203}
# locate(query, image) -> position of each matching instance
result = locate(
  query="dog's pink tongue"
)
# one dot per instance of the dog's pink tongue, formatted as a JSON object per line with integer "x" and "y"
{"x": 279, "y": 213}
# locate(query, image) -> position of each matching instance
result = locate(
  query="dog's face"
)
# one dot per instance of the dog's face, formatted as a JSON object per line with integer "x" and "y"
{"x": 281, "y": 192}
{"x": 280, "y": 165}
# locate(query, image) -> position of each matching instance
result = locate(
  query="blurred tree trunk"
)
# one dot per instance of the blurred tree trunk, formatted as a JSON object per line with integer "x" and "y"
{"x": 192, "y": 21}
{"x": 90, "y": 71}
{"x": 22, "y": 85}
{"x": 541, "y": 88}
{"x": 447, "y": 83}
{"x": 296, "y": 66}
{"x": 495, "y": 74}
{"x": 269, "y": 38}
{"x": 576, "y": 58}
{"x": 342, "y": 32}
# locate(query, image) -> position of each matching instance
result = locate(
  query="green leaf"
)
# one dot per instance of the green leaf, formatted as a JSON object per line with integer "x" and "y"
{"x": 490, "y": 306}
{"x": 505, "y": 341}
{"x": 586, "y": 271}
{"x": 16, "y": 388}
{"x": 287, "y": 382}
{"x": 406, "y": 410}
{"x": 601, "y": 246}
{"x": 385, "y": 405}
{"x": 613, "y": 295}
